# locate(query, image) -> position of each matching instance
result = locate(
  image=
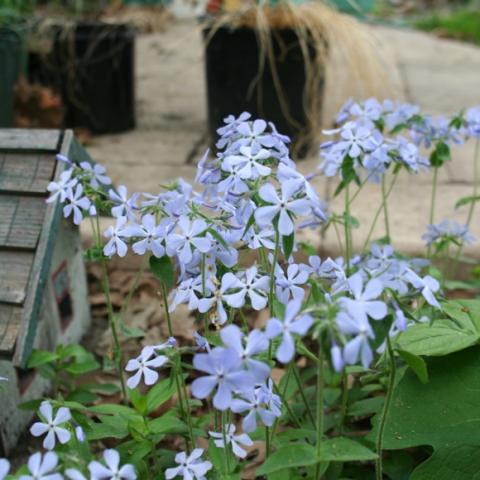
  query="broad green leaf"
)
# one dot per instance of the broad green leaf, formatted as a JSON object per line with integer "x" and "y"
{"x": 112, "y": 409}
{"x": 288, "y": 242}
{"x": 440, "y": 154}
{"x": 343, "y": 449}
{"x": 130, "y": 332}
{"x": 417, "y": 364}
{"x": 365, "y": 407}
{"x": 99, "y": 431}
{"x": 138, "y": 400}
{"x": 450, "y": 463}
{"x": 41, "y": 357}
{"x": 102, "y": 388}
{"x": 289, "y": 456}
{"x": 168, "y": 423}
{"x": 163, "y": 269}
{"x": 84, "y": 366}
{"x": 470, "y": 308}
{"x": 444, "y": 412}
{"x": 159, "y": 394}
{"x": 441, "y": 338}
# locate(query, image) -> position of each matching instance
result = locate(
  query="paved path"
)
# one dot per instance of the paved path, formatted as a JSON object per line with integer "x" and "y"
{"x": 441, "y": 76}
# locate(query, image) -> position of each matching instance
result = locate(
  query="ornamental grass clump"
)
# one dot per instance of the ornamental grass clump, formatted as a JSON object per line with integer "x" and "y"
{"x": 309, "y": 392}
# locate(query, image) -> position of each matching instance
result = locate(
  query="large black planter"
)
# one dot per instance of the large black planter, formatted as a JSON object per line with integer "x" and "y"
{"x": 92, "y": 67}
{"x": 234, "y": 84}
{"x": 11, "y": 55}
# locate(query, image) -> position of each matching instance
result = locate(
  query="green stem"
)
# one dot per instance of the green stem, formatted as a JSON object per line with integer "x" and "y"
{"x": 385, "y": 411}
{"x": 167, "y": 312}
{"x": 302, "y": 394}
{"x": 346, "y": 224}
{"x": 379, "y": 210}
{"x": 431, "y": 217}
{"x": 320, "y": 418}
{"x": 187, "y": 409}
{"x": 344, "y": 404}
{"x": 225, "y": 446}
{"x": 272, "y": 271}
{"x": 385, "y": 208}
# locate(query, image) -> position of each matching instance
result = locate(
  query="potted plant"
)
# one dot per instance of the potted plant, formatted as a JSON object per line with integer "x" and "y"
{"x": 273, "y": 60}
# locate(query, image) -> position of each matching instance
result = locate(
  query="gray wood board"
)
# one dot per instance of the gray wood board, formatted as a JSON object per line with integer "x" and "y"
{"x": 10, "y": 319}
{"x": 21, "y": 220}
{"x": 26, "y": 172}
{"x": 15, "y": 268}
{"x": 29, "y": 139}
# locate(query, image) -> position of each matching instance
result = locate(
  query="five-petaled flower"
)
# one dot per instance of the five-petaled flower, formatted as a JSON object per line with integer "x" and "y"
{"x": 189, "y": 467}
{"x": 52, "y": 425}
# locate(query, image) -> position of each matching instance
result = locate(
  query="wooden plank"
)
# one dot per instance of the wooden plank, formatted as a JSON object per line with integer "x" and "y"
{"x": 21, "y": 220}
{"x": 26, "y": 172}
{"x": 10, "y": 320}
{"x": 15, "y": 268}
{"x": 30, "y": 139}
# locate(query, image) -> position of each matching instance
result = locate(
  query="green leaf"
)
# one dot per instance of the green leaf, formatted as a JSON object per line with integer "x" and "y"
{"x": 218, "y": 237}
{"x": 350, "y": 220}
{"x": 41, "y": 357}
{"x": 130, "y": 332}
{"x": 450, "y": 463}
{"x": 163, "y": 269}
{"x": 168, "y": 423}
{"x": 441, "y": 338}
{"x": 289, "y": 456}
{"x": 445, "y": 412}
{"x": 138, "y": 400}
{"x": 102, "y": 388}
{"x": 343, "y": 449}
{"x": 288, "y": 242}
{"x": 85, "y": 366}
{"x": 366, "y": 407}
{"x": 417, "y": 364}
{"x": 440, "y": 154}
{"x": 159, "y": 394}
{"x": 466, "y": 200}
{"x": 99, "y": 431}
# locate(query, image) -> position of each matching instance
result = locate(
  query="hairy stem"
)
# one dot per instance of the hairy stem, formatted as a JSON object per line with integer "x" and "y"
{"x": 431, "y": 216}
{"x": 347, "y": 226}
{"x": 319, "y": 402}
{"x": 385, "y": 411}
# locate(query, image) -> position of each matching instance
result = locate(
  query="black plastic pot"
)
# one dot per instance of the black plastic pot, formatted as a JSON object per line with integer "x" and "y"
{"x": 92, "y": 67}
{"x": 234, "y": 84}
{"x": 11, "y": 56}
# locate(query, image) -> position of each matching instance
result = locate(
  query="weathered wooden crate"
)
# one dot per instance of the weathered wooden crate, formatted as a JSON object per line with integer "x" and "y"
{"x": 43, "y": 288}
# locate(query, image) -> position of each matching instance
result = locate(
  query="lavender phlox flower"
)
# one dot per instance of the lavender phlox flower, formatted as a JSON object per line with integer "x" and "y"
{"x": 337, "y": 357}
{"x": 256, "y": 342}
{"x": 234, "y": 184}
{"x": 396, "y": 113}
{"x": 4, "y": 468}
{"x": 188, "y": 237}
{"x": 230, "y": 128}
{"x": 227, "y": 254}
{"x": 376, "y": 163}
{"x": 63, "y": 187}
{"x": 472, "y": 121}
{"x": 51, "y": 426}
{"x": 144, "y": 365}
{"x": 265, "y": 237}
{"x": 96, "y": 173}
{"x": 253, "y": 403}
{"x": 409, "y": 155}
{"x": 254, "y": 134}
{"x": 201, "y": 342}
{"x": 427, "y": 285}
{"x": 292, "y": 323}
{"x": 112, "y": 469}
{"x": 364, "y": 300}
{"x": 344, "y": 113}
{"x": 123, "y": 205}
{"x": 229, "y": 281}
{"x": 248, "y": 163}
{"x": 329, "y": 269}
{"x": 431, "y": 130}
{"x": 448, "y": 229}
{"x": 188, "y": 291}
{"x": 283, "y": 205}
{"x": 251, "y": 285}
{"x": 63, "y": 159}
{"x": 358, "y": 347}
{"x": 190, "y": 467}
{"x": 394, "y": 277}
{"x": 224, "y": 373}
{"x": 288, "y": 286}
{"x": 150, "y": 235}
{"x": 76, "y": 203}
{"x": 332, "y": 159}
{"x": 116, "y": 235}
{"x": 229, "y": 437}
{"x": 74, "y": 474}
{"x": 269, "y": 398}
{"x": 380, "y": 258}
{"x": 371, "y": 109}
{"x": 286, "y": 172}
{"x": 41, "y": 467}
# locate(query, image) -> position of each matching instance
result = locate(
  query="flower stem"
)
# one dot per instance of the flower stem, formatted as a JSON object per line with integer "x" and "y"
{"x": 347, "y": 226}
{"x": 225, "y": 446}
{"x": 385, "y": 208}
{"x": 302, "y": 394}
{"x": 385, "y": 411}
{"x": 320, "y": 418}
{"x": 431, "y": 217}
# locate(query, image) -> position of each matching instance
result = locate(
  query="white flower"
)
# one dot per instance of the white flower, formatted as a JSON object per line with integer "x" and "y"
{"x": 42, "y": 468}
{"x": 112, "y": 470}
{"x": 234, "y": 440}
{"x": 4, "y": 468}
{"x": 144, "y": 365}
{"x": 116, "y": 234}
{"x": 191, "y": 467}
{"x": 51, "y": 425}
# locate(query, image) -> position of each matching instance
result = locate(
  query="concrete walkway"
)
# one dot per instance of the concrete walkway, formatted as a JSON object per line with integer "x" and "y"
{"x": 441, "y": 76}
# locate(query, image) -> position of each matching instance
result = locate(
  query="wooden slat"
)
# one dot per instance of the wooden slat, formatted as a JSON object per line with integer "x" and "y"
{"x": 15, "y": 270}
{"x": 21, "y": 220}
{"x": 10, "y": 319}
{"x": 29, "y": 139}
{"x": 26, "y": 172}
